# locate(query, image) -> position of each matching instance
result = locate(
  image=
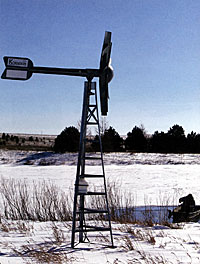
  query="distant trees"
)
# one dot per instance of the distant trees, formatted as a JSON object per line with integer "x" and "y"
{"x": 31, "y": 138}
{"x": 3, "y": 136}
{"x": 174, "y": 141}
{"x": 6, "y": 137}
{"x": 177, "y": 139}
{"x": 158, "y": 142}
{"x": 136, "y": 140}
{"x": 193, "y": 143}
{"x": 68, "y": 140}
{"x": 26, "y": 142}
{"x": 111, "y": 140}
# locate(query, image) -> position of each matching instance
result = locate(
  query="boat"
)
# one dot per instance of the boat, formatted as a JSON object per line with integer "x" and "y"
{"x": 182, "y": 216}
{"x": 187, "y": 211}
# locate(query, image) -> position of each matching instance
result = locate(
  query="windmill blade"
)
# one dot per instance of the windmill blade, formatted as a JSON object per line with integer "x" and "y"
{"x": 103, "y": 84}
{"x": 106, "y": 72}
{"x": 106, "y": 50}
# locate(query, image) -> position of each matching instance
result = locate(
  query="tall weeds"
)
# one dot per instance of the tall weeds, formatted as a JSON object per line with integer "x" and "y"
{"x": 37, "y": 202}
{"x": 44, "y": 201}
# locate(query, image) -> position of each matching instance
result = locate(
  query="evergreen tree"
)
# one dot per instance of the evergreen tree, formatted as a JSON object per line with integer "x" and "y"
{"x": 31, "y": 138}
{"x": 7, "y": 137}
{"x": 193, "y": 143}
{"x": 111, "y": 140}
{"x": 3, "y": 136}
{"x": 176, "y": 139}
{"x": 136, "y": 140}
{"x": 17, "y": 139}
{"x": 68, "y": 140}
{"x": 159, "y": 142}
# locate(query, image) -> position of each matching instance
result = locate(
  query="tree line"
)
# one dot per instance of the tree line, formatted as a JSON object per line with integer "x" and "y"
{"x": 172, "y": 141}
{"x": 26, "y": 142}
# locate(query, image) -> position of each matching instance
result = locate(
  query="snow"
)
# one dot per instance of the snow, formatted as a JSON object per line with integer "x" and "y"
{"x": 152, "y": 179}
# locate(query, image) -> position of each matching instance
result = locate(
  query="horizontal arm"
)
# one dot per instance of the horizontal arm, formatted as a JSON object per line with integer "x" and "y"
{"x": 88, "y": 73}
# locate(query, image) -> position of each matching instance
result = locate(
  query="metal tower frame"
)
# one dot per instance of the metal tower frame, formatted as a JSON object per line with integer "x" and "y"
{"x": 90, "y": 117}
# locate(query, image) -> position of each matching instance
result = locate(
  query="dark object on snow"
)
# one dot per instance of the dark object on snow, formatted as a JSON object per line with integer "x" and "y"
{"x": 187, "y": 211}
{"x": 187, "y": 203}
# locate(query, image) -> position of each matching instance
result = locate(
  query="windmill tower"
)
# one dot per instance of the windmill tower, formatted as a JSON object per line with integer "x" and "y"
{"x": 90, "y": 117}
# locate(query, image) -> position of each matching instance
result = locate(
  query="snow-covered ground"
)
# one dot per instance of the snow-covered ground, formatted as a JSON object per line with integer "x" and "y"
{"x": 152, "y": 179}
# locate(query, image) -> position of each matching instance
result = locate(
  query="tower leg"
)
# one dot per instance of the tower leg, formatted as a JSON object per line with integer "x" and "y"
{"x": 80, "y": 167}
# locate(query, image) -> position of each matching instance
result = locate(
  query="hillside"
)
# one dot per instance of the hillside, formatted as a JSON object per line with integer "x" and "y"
{"x": 17, "y": 141}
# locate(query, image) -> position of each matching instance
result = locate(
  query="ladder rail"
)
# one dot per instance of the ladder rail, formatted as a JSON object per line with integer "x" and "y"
{"x": 105, "y": 187}
{"x": 80, "y": 158}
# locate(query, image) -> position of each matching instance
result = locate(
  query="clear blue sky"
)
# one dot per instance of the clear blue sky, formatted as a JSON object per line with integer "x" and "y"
{"x": 155, "y": 55}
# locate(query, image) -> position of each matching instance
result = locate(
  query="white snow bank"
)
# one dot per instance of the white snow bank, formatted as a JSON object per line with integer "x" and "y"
{"x": 50, "y": 158}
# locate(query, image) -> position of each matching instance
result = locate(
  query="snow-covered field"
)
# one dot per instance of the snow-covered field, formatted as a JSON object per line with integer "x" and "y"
{"x": 152, "y": 179}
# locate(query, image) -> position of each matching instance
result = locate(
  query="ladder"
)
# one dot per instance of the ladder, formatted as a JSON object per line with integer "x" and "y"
{"x": 81, "y": 214}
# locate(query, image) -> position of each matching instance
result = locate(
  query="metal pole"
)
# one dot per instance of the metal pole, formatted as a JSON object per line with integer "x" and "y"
{"x": 80, "y": 167}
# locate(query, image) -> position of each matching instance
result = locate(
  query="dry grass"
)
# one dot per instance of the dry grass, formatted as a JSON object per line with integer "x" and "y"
{"x": 46, "y": 202}
{"x": 37, "y": 202}
{"x": 22, "y": 227}
{"x": 128, "y": 243}
{"x": 52, "y": 250}
{"x": 149, "y": 259}
{"x": 42, "y": 253}
{"x": 139, "y": 234}
{"x": 58, "y": 234}
{"x": 121, "y": 204}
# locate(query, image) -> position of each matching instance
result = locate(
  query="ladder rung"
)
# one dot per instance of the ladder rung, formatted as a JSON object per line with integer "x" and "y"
{"x": 92, "y": 105}
{"x": 92, "y": 229}
{"x": 96, "y": 228}
{"x": 95, "y": 193}
{"x": 93, "y": 211}
{"x": 92, "y": 123}
{"x": 92, "y": 176}
{"x": 93, "y": 158}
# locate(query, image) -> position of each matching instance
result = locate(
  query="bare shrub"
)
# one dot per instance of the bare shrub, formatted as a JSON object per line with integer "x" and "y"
{"x": 121, "y": 204}
{"x": 149, "y": 259}
{"x": 128, "y": 243}
{"x": 43, "y": 201}
{"x": 148, "y": 216}
{"x": 58, "y": 234}
{"x": 24, "y": 227}
{"x": 50, "y": 203}
{"x": 16, "y": 226}
{"x": 141, "y": 234}
{"x": 16, "y": 198}
{"x": 38, "y": 202}
{"x": 4, "y": 227}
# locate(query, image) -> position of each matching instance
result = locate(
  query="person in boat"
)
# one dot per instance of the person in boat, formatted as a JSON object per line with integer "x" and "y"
{"x": 187, "y": 203}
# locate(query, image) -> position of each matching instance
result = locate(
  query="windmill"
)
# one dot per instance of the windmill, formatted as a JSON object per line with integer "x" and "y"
{"x": 18, "y": 68}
